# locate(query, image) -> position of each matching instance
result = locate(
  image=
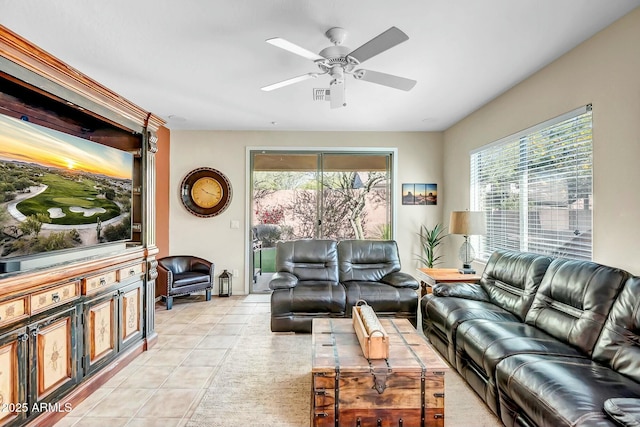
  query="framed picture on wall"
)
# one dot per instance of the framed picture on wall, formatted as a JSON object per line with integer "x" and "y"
{"x": 419, "y": 194}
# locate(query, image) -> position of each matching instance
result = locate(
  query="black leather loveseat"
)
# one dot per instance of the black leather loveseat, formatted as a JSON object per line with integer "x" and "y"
{"x": 544, "y": 342}
{"x": 323, "y": 278}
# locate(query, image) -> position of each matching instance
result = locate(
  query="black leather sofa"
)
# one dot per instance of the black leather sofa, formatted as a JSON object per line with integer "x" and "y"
{"x": 544, "y": 342}
{"x": 323, "y": 278}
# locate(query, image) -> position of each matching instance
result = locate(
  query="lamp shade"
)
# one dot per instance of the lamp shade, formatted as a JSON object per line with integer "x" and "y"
{"x": 467, "y": 223}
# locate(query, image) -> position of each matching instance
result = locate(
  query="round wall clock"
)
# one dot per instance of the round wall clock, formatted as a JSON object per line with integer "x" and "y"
{"x": 205, "y": 192}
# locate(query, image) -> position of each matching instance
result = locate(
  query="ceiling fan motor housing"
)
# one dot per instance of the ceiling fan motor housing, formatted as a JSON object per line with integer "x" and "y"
{"x": 336, "y": 56}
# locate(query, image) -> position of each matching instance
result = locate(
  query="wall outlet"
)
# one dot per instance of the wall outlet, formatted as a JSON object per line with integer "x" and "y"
{"x": 235, "y": 272}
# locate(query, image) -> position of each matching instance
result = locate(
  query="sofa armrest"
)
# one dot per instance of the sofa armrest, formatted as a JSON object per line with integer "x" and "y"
{"x": 461, "y": 290}
{"x": 625, "y": 411}
{"x": 400, "y": 280}
{"x": 164, "y": 279}
{"x": 283, "y": 280}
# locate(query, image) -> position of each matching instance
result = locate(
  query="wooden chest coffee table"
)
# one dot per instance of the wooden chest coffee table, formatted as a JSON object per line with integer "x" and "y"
{"x": 407, "y": 389}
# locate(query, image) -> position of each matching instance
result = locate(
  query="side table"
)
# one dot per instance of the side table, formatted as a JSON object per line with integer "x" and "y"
{"x": 430, "y": 276}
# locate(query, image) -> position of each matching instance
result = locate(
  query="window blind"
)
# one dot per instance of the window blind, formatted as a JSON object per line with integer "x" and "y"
{"x": 535, "y": 188}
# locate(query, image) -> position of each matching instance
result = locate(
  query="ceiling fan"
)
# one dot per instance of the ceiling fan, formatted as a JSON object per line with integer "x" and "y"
{"x": 339, "y": 60}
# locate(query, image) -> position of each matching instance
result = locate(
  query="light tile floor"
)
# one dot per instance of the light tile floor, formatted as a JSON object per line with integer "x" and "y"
{"x": 163, "y": 386}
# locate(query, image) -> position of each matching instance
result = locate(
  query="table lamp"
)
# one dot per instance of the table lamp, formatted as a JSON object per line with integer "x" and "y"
{"x": 467, "y": 223}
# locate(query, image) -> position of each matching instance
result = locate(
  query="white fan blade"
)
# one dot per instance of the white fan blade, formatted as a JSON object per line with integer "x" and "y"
{"x": 289, "y": 81}
{"x": 294, "y": 48}
{"x": 390, "y": 38}
{"x": 385, "y": 79}
{"x": 336, "y": 94}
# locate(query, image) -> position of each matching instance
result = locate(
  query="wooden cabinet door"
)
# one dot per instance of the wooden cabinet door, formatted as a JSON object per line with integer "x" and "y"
{"x": 100, "y": 331}
{"x": 13, "y": 377}
{"x": 53, "y": 353}
{"x": 131, "y": 314}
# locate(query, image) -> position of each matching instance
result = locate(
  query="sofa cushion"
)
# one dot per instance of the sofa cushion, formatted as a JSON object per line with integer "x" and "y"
{"x": 381, "y": 297}
{"x": 367, "y": 260}
{"x": 625, "y": 411}
{"x": 511, "y": 279}
{"x": 618, "y": 346}
{"x": 482, "y": 344}
{"x": 190, "y": 278}
{"x": 442, "y": 316}
{"x": 485, "y": 343}
{"x": 573, "y": 301}
{"x": 309, "y": 297}
{"x": 558, "y": 391}
{"x": 308, "y": 259}
{"x": 398, "y": 279}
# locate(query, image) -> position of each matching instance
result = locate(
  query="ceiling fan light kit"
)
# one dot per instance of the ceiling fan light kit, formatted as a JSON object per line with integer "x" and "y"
{"x": 339, "y": 60}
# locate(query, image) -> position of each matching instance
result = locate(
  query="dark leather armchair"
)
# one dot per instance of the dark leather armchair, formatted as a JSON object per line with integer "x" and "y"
{"x": 182, "y": 275}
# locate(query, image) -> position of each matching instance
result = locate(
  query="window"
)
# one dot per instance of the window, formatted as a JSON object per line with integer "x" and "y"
{"x": 535, "y": 188}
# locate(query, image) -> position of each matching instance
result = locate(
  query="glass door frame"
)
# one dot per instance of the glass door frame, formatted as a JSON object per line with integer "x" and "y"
{"x": 393, "y": 188}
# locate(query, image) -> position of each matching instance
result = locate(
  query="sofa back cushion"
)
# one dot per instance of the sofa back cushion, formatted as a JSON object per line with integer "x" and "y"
{"x": 574, "y": 299}
{"x": 619, "y": 343}
{"x": 308, "y": 259}
{"x": 367, "y": 260}
{"x": 511, "y": 279}
{"x": 179, "y": 264}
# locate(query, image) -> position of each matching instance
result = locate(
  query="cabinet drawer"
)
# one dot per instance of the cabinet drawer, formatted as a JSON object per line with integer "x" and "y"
{"x": 13, "y": 310}
{"x": 95, "y": 283}
{"x": 130, "y": 271}
{"x": 54, "y": 296}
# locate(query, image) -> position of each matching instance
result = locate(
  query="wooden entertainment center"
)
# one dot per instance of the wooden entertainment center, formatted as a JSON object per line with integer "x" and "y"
{"x": 72, "y": 321}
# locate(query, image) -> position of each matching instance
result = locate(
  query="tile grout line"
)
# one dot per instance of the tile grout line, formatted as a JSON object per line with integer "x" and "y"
{"x": 189, "y": 315}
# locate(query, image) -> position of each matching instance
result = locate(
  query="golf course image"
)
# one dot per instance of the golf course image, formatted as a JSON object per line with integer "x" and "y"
{"x": 69, "y": 201}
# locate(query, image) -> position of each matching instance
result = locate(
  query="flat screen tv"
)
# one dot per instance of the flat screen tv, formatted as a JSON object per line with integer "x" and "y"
{"x": 59, "y": 193}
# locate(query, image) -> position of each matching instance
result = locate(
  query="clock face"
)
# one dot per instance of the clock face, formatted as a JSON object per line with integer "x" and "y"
{"x": 205, "y": 192}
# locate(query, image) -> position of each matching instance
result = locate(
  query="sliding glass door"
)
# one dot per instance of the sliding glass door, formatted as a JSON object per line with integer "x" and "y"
{"x": 355, "y": 196}
{"x": 319, "y": 194}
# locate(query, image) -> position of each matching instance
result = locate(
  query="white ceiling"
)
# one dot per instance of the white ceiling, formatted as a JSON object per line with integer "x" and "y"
{"x": 199, "y": 64}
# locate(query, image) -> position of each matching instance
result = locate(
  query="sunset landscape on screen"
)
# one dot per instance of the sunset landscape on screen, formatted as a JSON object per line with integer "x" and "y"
{"x": 26, "y": 142}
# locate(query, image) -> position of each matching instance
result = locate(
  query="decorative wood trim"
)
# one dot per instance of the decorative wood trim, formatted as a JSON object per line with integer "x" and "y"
{"x": 153, "y": 143}
{"x": 25, "y": 281}
{"x": 152, "y": 269}
{"x": 152, "y": 124}
{"x": 151, "y": 341}
{"x": 47, "y": 359}
{"x": 32, "y": 58}
{"x": 150, "y": 294}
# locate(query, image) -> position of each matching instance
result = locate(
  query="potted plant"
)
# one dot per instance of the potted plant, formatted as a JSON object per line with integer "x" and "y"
{"x": 430, "y": 239}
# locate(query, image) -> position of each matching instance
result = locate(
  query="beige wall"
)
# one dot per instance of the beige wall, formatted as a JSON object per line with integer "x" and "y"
{"x": 604, "y": 71}
{"x": 419, "y": 160}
